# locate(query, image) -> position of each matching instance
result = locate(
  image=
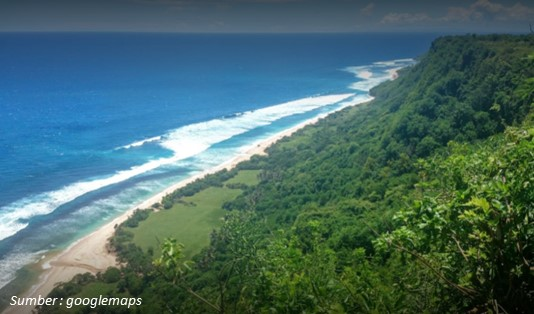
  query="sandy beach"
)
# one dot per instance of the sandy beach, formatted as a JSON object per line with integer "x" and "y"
{"x": 90, "y": 253}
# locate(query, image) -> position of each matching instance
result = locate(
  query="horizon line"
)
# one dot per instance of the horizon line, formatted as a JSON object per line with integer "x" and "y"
{"x": 435, "y": 32}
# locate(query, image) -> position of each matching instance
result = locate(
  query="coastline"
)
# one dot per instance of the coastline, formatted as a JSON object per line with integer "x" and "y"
{"x": 90, "y": 253}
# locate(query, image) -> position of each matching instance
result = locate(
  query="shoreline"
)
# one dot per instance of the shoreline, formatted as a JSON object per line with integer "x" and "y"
{"x": 91, "y": 254}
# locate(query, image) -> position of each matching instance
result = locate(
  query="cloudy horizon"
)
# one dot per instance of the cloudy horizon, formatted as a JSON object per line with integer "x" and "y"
{"x": 270, "y": 16}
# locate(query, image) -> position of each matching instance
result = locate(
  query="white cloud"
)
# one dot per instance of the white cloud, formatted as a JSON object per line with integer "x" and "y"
{"x": 478, "y": 11}
{"x": 368, "y": 9}
{"x": 485, "y": 9}
{"x": 405, "y": 18}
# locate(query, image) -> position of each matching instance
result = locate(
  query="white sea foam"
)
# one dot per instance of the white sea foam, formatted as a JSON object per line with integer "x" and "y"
{"x": 185, "y": 142}
{"x": 13, "y": 262}
{"x": 70, "y": 226}
{"x": 364, "y": 74}
{"x": 351, "y": 101}
{"x": 377, "y": 77}
{"x": 188, "y": 141}
{"x": 393, "y": 63}
{"x": 356, "y": 100}
{"x": 140, "y": 143}
{"x": 370, "y": 83}
{"x": 193, "y": 139}
{"x": 14, "y": 217}
{"x": 376, "y": 73}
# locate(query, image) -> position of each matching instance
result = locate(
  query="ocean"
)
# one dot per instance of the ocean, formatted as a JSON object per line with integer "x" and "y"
{"x": 93, "y": 123}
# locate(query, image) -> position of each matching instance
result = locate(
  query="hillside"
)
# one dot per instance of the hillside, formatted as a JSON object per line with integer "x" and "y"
{"x": 419, "y": 201}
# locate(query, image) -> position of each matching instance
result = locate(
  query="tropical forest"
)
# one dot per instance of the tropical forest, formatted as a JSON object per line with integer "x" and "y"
{"x": 419, "y": 201}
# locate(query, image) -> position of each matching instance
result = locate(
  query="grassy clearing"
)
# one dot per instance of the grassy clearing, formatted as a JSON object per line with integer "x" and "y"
{"x": 247, "y": 177}
{"x": 192, "y": 220}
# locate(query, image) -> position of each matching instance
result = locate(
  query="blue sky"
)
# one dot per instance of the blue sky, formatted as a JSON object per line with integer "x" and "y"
{"x": 286, "y": 16}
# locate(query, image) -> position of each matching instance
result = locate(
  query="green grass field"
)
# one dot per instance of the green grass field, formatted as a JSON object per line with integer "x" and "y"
{"x": 191, "y": 221}
{"x": 248, "y": 177}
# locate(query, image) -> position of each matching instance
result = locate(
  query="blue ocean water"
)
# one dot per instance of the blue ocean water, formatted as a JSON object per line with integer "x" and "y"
{"x": 93, "y": 123}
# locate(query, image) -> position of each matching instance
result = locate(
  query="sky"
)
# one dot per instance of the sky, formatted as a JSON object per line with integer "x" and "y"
{"x": 269, "y": 16}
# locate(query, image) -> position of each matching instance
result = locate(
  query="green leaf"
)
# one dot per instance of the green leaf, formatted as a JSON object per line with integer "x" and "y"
{"x": 479, "y": 203}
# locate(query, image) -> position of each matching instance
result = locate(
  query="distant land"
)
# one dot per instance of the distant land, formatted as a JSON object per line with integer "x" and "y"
{"x": 410, "y": 192}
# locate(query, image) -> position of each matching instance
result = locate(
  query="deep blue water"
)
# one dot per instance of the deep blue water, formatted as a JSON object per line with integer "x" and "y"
{"x": 72, "y": 104}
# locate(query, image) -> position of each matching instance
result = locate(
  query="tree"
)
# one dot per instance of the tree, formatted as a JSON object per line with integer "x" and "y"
{"x": 171, "y": 266}
{"x": 474, "y": 229}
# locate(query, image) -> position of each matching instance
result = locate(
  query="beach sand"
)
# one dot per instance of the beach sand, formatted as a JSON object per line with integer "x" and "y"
{"x": 91, "y": 254}
{"x": 365, "y": 74}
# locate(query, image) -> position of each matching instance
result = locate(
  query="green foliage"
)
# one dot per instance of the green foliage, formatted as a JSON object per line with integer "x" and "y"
{"x": 198, "y": 185}
{"x": 137, "y": 216}
{"x": 343, "y": 180}
{"x": 67, "y": 289}
{"x": 297, "y": 281}
{"x": 373, "y": 209}
{"x": 169, "y": 262}
{"x": 111, "y": 275}
{"x": 476, "y": 233}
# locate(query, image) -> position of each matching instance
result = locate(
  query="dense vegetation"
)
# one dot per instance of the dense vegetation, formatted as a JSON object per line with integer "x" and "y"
{"x": 420, "y": 201}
